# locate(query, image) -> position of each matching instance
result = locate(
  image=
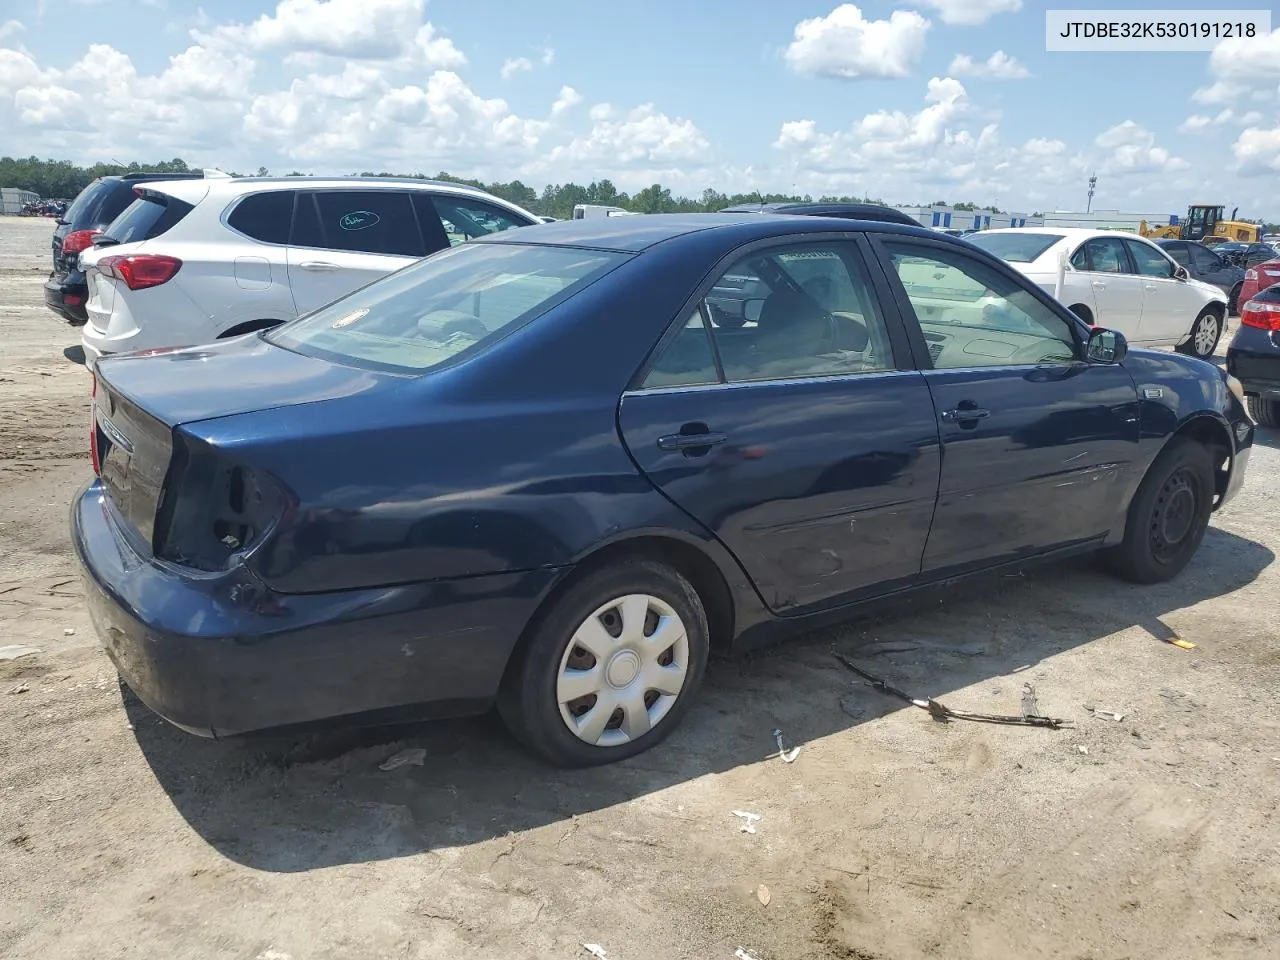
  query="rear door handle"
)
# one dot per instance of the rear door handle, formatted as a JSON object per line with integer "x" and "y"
{"x": 959, "y": 416}
{"x": 318, "y": 265}
{"x": 1100, "y": 284}
{"x": 1151, "y": 286}
{"x": 689, "y": 441}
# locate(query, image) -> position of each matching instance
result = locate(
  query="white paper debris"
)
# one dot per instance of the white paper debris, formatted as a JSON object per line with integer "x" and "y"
{"x": 749, "y": 820}
{"x": 787, "y": 756}
{"x": 595, "y": 950}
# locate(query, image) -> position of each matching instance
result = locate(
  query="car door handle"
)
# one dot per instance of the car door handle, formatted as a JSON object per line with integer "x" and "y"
{"x": 966, "y": 413}
{"x": 1150, "y": 286}
{"x": 1100, "y": 284}
{"x": 691, "y": 441}
{"x": 319, "y": 265}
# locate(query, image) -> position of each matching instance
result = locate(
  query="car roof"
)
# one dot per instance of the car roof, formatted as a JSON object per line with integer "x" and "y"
{"x": 634, "y": 234}
{"x": 1074, "y": 234}
{"x": 852, "y": 211}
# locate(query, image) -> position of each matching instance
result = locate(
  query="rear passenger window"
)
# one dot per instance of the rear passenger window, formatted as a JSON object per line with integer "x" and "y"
{"x": 687, "y": 359}
{"x": 264, "y": 216}
{"x": 360, "y": 221}
{"x": 465, "y": 219}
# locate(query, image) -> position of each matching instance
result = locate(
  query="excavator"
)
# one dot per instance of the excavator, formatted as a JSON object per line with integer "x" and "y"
{"x": 1205, "y": 220}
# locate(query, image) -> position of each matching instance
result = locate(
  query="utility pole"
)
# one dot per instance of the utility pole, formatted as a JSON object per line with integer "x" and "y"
{"x": 1093, "y": 182}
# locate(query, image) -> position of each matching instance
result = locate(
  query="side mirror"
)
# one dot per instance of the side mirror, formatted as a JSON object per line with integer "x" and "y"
{"x": 1180, "y": 273}
{"x": 1106, "y": 346}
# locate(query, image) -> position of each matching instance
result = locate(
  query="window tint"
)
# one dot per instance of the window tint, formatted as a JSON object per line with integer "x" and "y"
{"x": 1149, "y": 260}
{"x": 146, "y": 218}
{"x": 465, "y": 219}
{"x": 432, "y": 311}
{"x": 1015, "y": 247}
{"x": 264, "y": 216}
{"x": 783, "y": 313}
{"x": 1178, "y": 252}
{"x": 99, "y": 203}
{"x": 1080, "y": 259}
{"x": 1106, "y": 255}
{"x": 359, "y": 221}
{"x": 975, "y": 316}
{"x": 687, "y": 359}
{"x": 1206, "y": 260}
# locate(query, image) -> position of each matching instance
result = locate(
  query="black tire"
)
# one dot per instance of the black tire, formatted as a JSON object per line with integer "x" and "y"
{"x": 1167, "y": 517}
{"x": 1265, "y": 412}
{"x": 1233, "y": 300}
{"x": 1207, "y": 315}
{"x": 528, "y": 702}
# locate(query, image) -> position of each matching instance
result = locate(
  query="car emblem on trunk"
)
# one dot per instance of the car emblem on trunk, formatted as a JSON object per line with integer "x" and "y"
{"x": 347, "y": 319}
{"x": 359, "y": 220}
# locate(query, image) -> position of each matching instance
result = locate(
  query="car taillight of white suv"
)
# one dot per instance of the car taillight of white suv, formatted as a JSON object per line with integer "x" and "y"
{"x": 192, "y": 261}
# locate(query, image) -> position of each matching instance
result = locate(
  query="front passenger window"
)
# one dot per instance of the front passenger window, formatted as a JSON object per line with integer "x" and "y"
{"x": 972, "y": 315}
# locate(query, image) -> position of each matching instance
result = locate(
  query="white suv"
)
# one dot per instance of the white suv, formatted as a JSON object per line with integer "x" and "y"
{"x": 192, "y": 261}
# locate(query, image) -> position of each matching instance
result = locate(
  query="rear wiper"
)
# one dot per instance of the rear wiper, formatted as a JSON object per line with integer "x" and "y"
{"x": 105, "y": 241}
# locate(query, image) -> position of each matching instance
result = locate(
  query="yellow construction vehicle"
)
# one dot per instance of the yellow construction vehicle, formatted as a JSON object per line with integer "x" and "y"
{"x": 1205, "y": 220}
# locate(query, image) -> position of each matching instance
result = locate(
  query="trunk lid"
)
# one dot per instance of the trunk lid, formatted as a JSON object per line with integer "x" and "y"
{"x": 134, "y": 449}
{"x": 228, "y": 377}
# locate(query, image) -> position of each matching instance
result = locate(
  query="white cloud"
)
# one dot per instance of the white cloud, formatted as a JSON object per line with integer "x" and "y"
{"x": 353, "y": 29}
{"x": 845, "y": 44}
{"x": 1243, "y": 65}
{"x": 1198, "y": 122}
{"x": 1258, "y": 151}
{"x": 998, "y": 66}
{"x": 568, "y": 99}
{"x": 971, "y": 12}
{"x": 9, "y": 27}
{"x": 1131, "y": 148}
{"x": 601, "y": 111}
{"x": 513, "y": 65}
{"x": 1195, "y": 123}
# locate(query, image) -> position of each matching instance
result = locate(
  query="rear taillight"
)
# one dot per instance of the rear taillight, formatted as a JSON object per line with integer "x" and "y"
{"x": 1264, "y": 316}
{"x": 140, "y": 270}
{"x": 78, "y": 241}
{"x": 1251, "y": 274}
{"x": 93, "y": 429}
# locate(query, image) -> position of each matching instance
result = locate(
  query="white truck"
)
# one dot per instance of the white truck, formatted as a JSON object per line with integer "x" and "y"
{"x": 589, "y": 211}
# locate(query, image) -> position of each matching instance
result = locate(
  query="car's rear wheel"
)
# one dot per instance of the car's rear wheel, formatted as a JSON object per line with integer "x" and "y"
{"x": 611, "y": 667}
{"x": 1265, "y": 412}
{"x": 1168, "y": 515}
{"x": 1205, "y": 333}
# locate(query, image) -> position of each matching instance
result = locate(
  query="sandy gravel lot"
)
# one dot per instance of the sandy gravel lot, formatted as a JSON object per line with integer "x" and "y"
{"x": 890, "y": 837}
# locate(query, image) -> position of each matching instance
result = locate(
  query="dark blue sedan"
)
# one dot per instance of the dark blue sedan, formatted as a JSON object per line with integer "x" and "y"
{"x": 555, "y": 471}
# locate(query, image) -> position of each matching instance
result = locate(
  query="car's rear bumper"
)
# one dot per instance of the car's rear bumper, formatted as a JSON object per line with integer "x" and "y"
{"x": 222, "y": 654}
{"x": 66, "y": 296}
{"x": 1254, "y": 359}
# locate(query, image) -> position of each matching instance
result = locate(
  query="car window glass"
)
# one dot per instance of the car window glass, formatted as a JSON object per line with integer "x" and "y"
{"x": 973, "y": 315}
{"x": 368, "y": 221}
{"x": 264, "y": 216}
{"x": 1106, "y": 255}
{"x": 1179, "y": 254}
{"x": 1206, "y": 260}
{"x": 1149, "y": 260}
{"x": 798, "y": 311}
{"x": 147, "y": 218}
{"x": 1080, "y": 259}
{"x": 686, "y": 359}
{"x": 465, "y": 219}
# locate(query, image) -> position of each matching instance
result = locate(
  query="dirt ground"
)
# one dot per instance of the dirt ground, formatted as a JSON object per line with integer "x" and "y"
{"x": 890, "y": 836}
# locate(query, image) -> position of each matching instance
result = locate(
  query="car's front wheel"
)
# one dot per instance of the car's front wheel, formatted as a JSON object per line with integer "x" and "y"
{"x": 1168, "y": 515}
{"x": 1205, "y": 334}
{"x": 1266, "y": 413}
{"x": 611, "y": 668}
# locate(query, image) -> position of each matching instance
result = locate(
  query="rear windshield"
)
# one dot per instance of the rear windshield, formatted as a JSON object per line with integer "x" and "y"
{"x": 458, "y": 301}
{"x": 98, "y": 204}
{"x": 147, "y": 217}
{"x": 1015, "y": 247}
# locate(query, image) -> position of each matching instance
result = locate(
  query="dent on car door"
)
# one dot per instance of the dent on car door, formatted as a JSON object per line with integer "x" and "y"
{"x": 344, "y": 239}
{"x": 795, "y": 430}
{"x": 1036, "y": 442}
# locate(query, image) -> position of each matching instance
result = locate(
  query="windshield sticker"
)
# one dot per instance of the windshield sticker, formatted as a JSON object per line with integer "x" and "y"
{"x": 359, "y": 220}
{"x": 347, "y": 319}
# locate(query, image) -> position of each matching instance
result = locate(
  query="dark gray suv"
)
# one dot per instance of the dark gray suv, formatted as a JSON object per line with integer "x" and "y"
{"x": 1205, "y": 265}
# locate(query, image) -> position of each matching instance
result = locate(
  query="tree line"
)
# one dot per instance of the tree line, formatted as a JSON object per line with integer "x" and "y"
{"x": 61, "y": 179}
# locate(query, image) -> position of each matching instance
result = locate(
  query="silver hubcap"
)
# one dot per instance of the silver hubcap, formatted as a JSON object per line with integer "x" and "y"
{"x": 623, "y": 670}
{"x": 1206, "y": 335}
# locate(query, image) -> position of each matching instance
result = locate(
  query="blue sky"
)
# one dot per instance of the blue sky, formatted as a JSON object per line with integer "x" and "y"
{"x": 818, "y": 96}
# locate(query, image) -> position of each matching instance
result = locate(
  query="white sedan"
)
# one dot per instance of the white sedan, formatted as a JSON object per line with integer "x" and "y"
{"x": 1116, "y": 280}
